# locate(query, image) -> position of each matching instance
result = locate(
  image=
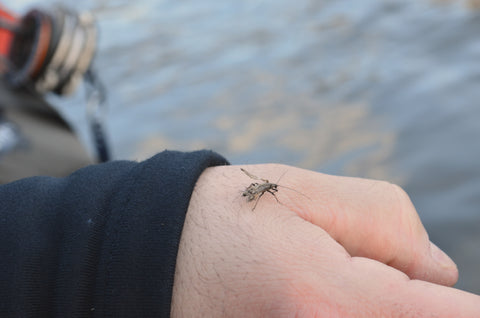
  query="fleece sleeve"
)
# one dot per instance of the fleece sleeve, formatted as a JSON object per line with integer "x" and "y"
{"x": 102, "y": 242}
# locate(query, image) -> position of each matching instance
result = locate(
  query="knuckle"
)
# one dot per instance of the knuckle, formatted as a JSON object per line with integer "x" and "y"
{"x": 392, "y": 192}
{"x": 408, "y": 218}
{"x": 401, "y": 196}
{"x": 400, "y": 193}
{"x": 398, "y": 201}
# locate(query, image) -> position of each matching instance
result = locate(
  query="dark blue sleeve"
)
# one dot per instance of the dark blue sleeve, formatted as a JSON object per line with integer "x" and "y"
{"x": 101, "y": 242}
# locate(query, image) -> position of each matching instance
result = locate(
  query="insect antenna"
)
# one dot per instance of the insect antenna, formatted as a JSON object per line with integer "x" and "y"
{"x": 281, "y": 176}
{"x": 306, "y": 196}
{"x": 282, "y": 186}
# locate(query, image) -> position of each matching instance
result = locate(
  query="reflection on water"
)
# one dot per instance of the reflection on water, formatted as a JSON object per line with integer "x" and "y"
{"x": 377, "y": 89}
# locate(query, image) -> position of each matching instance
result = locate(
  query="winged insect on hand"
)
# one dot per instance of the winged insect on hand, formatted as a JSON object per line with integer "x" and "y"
{"x": 256, "y": 189}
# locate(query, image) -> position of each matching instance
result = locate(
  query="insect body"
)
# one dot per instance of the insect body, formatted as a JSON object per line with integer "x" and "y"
{"x": 255, "y": 190}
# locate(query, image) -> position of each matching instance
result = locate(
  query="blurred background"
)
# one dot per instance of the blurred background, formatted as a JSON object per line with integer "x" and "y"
{"x": 376, "y": 89}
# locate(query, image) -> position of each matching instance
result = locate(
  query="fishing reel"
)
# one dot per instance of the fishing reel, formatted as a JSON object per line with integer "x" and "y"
{"x": 50, "y": 50}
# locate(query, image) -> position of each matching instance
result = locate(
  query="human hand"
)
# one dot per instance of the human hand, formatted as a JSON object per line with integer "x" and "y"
{"x": 339, "y": 247}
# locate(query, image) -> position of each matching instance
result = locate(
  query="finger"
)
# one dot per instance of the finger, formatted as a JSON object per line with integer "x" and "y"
{"x": 377, "y": 220}
{"x": 333, "y": 284}
{"x": 388, "y": 293}
{"x": 368, "y": 218}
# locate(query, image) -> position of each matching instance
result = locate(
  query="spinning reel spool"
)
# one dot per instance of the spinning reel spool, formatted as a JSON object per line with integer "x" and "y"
{"x": 50, "y": 51}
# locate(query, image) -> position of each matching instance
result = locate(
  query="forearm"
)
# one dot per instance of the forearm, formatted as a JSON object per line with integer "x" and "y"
{"x": 103, "y": 239}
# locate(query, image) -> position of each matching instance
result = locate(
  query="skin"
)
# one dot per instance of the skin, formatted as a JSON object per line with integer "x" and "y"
{"x": 341, "y": 247}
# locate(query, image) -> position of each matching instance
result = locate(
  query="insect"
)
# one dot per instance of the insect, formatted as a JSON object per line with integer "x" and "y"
{"x": 256, "y": 190}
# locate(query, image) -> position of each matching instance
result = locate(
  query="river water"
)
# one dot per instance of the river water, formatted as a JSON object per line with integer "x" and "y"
{"x": 378, "y": 89}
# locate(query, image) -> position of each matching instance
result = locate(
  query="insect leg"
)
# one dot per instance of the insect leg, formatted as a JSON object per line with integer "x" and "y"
{"x": 256, "y": 202}
{"x": 272, "y": 192}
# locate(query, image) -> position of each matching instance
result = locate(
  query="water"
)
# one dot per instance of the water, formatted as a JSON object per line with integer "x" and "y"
{"x": 377, "y": 89}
